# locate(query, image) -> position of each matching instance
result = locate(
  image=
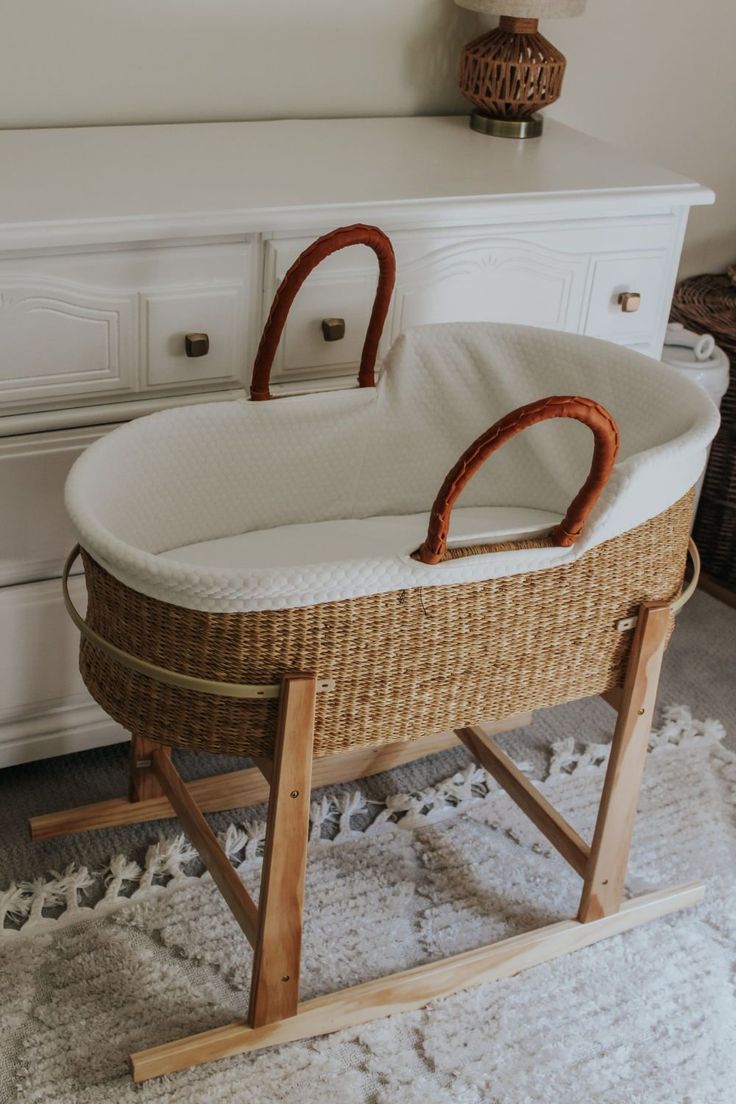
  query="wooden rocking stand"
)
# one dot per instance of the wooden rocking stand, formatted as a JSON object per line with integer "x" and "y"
{"x": 274, "y": 925}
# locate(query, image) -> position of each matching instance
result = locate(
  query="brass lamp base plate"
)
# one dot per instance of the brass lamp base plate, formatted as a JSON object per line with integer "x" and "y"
{"x": 531, "y": 127}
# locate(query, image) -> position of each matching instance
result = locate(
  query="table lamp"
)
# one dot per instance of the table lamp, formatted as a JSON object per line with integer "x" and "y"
{"x": 512, "y": 71}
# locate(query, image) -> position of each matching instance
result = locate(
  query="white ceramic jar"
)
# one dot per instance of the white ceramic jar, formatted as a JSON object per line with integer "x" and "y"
{"x": 699, "y": 358}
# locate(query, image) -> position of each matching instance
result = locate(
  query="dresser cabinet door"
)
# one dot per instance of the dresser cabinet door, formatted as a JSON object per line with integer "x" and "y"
{"x": 112, "y": 324}
{"x": 60, "y": 338}
{"x": 45, "y": 708}
{"x": 33, "y": 470}
{"x": 490, "y": 279}
{"x": 39, "y": 657}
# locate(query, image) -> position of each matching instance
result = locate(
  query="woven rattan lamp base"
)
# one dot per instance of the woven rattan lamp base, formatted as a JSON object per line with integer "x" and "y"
{"x": 508, "y": 74}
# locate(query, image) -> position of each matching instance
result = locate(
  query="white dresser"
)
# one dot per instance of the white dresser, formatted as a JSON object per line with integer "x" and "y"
{"x": 116, "y": 243}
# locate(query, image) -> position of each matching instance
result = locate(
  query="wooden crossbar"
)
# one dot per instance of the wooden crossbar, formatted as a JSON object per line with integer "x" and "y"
{"x": 241, "y": 788}
{"x": 613, "y": 697}
{"x": 550, "y": 823}
{"x": 204, "y": 839}
{"x": 411, "y": 989}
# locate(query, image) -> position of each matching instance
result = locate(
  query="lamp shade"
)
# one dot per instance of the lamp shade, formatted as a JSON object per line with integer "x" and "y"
{"x": 526, "y": 9}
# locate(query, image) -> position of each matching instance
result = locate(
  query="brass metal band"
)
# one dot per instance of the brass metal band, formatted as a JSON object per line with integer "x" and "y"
{"x": 529, "y": 127}
{"x": 164, "y": 674}
{"x": 687, "y": 592}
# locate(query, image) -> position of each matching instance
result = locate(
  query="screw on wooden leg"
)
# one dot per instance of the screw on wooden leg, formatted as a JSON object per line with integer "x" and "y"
{"x": 143, "y": 782}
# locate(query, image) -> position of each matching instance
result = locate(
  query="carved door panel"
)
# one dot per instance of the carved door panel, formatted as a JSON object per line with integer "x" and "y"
{"x": 59, "y": 338}
{"x": 492, "y": 280}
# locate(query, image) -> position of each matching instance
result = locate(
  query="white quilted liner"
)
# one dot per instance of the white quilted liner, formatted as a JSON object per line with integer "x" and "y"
{"x": 236, "y": 506}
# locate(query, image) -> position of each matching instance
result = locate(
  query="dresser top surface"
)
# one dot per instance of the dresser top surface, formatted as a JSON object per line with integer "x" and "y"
{"x": 224, "y": 170}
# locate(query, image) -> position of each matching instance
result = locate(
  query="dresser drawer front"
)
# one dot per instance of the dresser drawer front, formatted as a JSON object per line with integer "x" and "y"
{"x": 614, "y": 277}
{"x": 112, "y": 323}
{"x": 341, "y": 287}
{"x": 170, "y": 317}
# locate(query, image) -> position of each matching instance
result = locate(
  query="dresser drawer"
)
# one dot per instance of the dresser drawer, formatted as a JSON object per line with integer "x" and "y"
{"x": 614, "y": 278}
{"x": 342, "y": 287}
{"x": 112, "y": 323}
{"x": 201, "y": 290}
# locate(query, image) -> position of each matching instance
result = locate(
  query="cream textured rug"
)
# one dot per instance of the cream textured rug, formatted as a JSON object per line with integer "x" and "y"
{"x": 644, "y": 1018}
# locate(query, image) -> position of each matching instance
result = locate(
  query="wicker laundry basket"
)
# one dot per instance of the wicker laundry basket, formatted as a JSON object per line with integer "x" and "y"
{"x": 708, "y": 304}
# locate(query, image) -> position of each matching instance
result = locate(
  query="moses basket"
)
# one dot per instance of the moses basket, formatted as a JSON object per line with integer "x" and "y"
{"x": 486, "y": 529}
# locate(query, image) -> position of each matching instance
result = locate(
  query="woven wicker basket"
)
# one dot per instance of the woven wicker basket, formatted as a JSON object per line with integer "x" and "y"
{"x": 405, "y": 664}
{"x": 708, "y": 303}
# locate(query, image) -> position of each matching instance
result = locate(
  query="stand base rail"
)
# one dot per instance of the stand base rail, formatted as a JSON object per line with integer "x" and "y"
{"x": 241, "y": 788}
{"x": 411, "y": 989}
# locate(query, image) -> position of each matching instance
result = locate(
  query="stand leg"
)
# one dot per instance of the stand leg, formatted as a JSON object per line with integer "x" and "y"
{"x": 604, "y": 878}
{"x": 143, "y": 781}
{"x": 275, "y": 987}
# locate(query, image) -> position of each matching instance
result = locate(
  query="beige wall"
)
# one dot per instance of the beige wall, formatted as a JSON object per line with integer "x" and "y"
{"x": 654, "y": 75}
{"x": 659, "y": 77}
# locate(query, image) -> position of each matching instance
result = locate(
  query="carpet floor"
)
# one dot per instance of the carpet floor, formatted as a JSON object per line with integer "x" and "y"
{"x": 648, "y": 1017}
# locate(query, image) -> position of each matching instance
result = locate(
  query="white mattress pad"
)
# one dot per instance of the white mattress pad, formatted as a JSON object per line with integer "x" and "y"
{"x": 353, "y": 540}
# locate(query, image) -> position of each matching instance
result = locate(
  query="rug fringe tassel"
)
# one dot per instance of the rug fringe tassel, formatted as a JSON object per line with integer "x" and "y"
{"x": 678, "y": 729}
{"x": 46, "y": 904}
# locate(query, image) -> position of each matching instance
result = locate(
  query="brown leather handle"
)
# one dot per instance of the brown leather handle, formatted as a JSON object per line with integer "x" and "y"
{"x": 606, "y": 441}
{"x": 295, "y": 277}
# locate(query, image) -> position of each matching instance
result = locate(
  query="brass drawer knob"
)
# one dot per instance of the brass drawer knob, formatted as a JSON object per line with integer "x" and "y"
{"x": 197, "y": 344}
{"x": 333, "y": 329}
{"x": 629, "y": 301}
